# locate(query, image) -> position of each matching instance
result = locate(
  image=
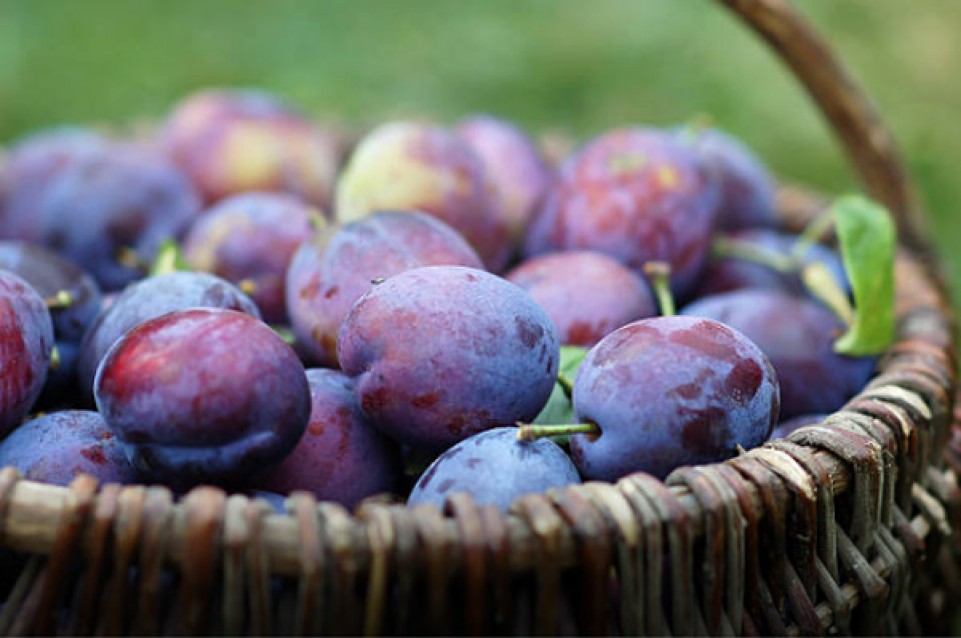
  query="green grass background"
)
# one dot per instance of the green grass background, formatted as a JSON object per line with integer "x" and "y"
{"x": 577, "y": 65}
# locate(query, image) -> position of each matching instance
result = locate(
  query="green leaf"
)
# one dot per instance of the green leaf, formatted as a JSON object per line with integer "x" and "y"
{"x": 867, "y": 238}
{"x": 169, "y": 259}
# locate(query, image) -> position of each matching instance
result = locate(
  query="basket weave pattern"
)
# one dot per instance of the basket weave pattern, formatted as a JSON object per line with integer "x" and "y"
{"x": 844, "y": 527}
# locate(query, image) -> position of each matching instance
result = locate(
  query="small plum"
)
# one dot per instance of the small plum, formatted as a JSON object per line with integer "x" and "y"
{"x": 109, "y": 211}
{"x": 439, "y": 353}
{"x": 341, "y": 457}
{"x": 251, "y": 238}
{"x": 204, "y": 394}
{"x": 57, "y": 447}
{"x": 670, "y": 391}
{"x": 149, "y": 298}
{"x": 26, "y": 341}
{"x": 410, "y": 166}
{"x": 586, "y": 294}
{"x": 514, "y": 164}
{"x": 331, "y": 272}
{"x": 638, "y": 195}
{"x": 234, "y": 141}
{"x": 495, "y": 468}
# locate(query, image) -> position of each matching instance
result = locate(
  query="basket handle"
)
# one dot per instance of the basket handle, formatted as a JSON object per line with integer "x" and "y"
{"x": 867, "y": 141}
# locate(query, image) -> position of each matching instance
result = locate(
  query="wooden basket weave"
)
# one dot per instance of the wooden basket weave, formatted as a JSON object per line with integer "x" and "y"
{"x": 843, "y": 527}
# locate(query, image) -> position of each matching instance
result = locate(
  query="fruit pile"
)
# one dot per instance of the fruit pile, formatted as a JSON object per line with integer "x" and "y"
{"x": 243, "y": 297}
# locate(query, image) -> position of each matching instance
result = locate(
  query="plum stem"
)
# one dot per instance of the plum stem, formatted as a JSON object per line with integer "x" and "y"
{"x": 534, "y": 431}
{"x": 55, "y": 359}
{"x": 659, "y": 272}
{"x": 60, "y": 299}
{"x": 130, "y": 258}
{"x": 812, "y": 234}
{"x": 566, "y": 384}
{"x": 284, "y": 333}
{"x": 820, "y": 282}
{"x": 169, "y": 259}
{"x": 317, "y": 220}
{"x": 740, "y": 249}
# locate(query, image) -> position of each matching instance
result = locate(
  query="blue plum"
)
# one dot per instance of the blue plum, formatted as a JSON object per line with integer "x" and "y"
{"x": 747, "y": 187}
{"x": 341, "y": 456}
{"x": 785, "y": 428}
{"x": 328, "y": 274}
{"x": 495, "y": 468}
{"x": 636, "y": 194}
{"x": 31, "y": 165}
{"x": 514, "y": 164}
{"x": 251, "y": 237}
{"x": 411, "y": 166}
{"x": 671, "y": 391}
{"x": 26, "y": 340}
{"x": 443, "y": 352}
{"x": 109, "y": 210}
{"x": 149, "y": 298}
{"x": 57, "y": 447}
{"x": 203, "y": 394}
{"x": 797, "y": 335}
{"x": 586, "y": 294}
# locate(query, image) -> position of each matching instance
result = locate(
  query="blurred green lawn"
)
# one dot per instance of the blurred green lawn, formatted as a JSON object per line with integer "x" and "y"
{"x": 568, "y": 64}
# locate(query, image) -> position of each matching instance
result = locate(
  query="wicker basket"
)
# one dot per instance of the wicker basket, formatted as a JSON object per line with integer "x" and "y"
{"x": 840, "y": 528}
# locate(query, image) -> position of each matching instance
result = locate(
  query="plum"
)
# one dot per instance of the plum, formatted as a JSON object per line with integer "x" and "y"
{"x": 734, "y": 272}
{"x": 26, "y": 340}
{"x": 410, "y": 166}
{"x": 585, "y": 293}
{"x": 56, "y": 448}
{"x": 341, "y": 457}
{"x": 251, "y": 237}
{"x": 636, "y": 194}
{"x": 788, "y": 426}
{"x": 443, "y": 352}
{"x": 513, "y": 163}
{"x": 797, "y": 335}
{"x": 73, "y": 296}
{"x": 495, "y": 468}
{"x": 670, "y": 391}
{"x": 204, "y": 394}
{"x": 109, "y": 211}
{"x": 747, "y": 188}
{"x": 234, "y": 141}
{"x": 327, "y": 275}
{"x": 149, "y": 298}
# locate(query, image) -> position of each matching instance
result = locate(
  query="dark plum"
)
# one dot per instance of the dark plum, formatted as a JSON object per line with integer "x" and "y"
{"x": 636, "y": 194}
{"x": 734, "y": 272}
{"x": 330, "y": 273}
{"x": 495, "y": 468}
{"x": 152, "y": 297}
{"x": 585, "y": 293}
{"x": 235, "y": 141}
{"x": 56, "y": 448}
{"x": 513, "y": 163}
{"x": 341, "y": 456}
{"x": 251, "y": 238}
{"x": 30, "y": 166}
{"x": 73, "y": 296}
{"x": 109, "y": 211}
{"x": 410, "y": 166}
{"x": 797, "y": 335}
{"x": 671, "y": 391}
{"x": 26, "y": 340}
{"x": 443, "y": 352}
{"x": 203, "y": 395}
{"x": 747, "y": 187}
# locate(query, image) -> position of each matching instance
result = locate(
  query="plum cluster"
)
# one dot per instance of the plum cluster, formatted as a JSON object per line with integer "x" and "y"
{"x": 248, "y": 298}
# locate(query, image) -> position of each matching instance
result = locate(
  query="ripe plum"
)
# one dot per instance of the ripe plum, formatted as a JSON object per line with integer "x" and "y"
{"x": 442, "y": 352}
